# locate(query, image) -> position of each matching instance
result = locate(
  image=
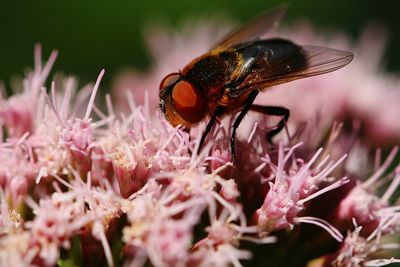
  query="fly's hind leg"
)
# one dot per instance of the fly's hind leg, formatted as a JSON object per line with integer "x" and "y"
{"x": 273, "y": 111}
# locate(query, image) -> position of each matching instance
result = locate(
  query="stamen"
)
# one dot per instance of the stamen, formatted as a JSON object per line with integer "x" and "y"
{"x": 323, "y": 224}
{"x": 98, "y": 231}
{"x": 330, "y": 167}
{"x": 333, "y": 186}
{"x": 252, "y": 132}
{"x": 381, "y": 262}
{"x": 38, "y": 57}
{"x": 42, "y": 172}
{"x": 279, "y": 171}
{"x": 265, "y": 240}
{"x": 52, "y": 106}
{"x": 291, "y": 150}
{"x": 392, "y": 188}
{"x": 67, "y": 97}
{"x": 382, "y": 169}
{"x": 93, "y": 95}
{"x": 110, "y": 109}
{"x": 260, "y": 167}
{"x": 62, "y": 181}
{"x": 47, "y": 68}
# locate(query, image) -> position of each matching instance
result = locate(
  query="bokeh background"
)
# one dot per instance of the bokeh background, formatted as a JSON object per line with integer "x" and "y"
{"x": 91, "y": 35}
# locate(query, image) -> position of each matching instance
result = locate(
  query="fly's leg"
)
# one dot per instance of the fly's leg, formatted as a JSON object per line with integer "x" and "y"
{"x": 249, "y": 102}
{"x": 273, "y": 111}
{"x": 217, "y": 112}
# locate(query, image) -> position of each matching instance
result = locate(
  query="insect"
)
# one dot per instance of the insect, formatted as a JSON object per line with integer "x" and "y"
{"x": 229, "y": 77}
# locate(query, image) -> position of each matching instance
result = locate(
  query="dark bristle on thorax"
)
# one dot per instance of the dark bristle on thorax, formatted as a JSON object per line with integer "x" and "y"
{"x": 210, "y": 73}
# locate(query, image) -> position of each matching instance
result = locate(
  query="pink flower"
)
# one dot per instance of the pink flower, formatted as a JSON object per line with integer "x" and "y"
{"x": 221, "y": 245}
{"x": 18, "y": 168}
{"x": 63, "y": 216}
{"x": 53, "y": 227}
{"x": 15, "y": 250}
{"x": 364, "y": 205}
{"x": 105, "y": 179}
{"x": 291, "y": 189}
{"x": 77, "y": 137}
{"x": 154, "y": 231}
{"x": 139, "y": 148}
{"x": 10, "y": 219}
{"x": 358, "y": 251}
{"x": 17, "y": 113}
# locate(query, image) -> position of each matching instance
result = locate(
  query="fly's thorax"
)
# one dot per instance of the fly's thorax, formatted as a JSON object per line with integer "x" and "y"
{"x": 211, "y": 72}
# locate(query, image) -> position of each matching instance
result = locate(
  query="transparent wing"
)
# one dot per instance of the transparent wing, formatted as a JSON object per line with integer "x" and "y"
{"x": 254, "y": 29}
{"x": 309, "y": 61}
{"x": 322, "y": 60}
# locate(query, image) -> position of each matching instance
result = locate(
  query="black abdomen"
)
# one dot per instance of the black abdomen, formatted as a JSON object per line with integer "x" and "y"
{"x": 273, "y": 57}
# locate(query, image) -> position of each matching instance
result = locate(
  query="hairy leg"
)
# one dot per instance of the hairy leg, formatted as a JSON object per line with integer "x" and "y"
{"x": 249, "y": 102}
{"x": 273, "y": 111}
{"x": 218, "y": 112}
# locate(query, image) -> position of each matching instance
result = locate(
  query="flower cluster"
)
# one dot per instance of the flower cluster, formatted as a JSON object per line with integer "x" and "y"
{"x": 101, "y": 186}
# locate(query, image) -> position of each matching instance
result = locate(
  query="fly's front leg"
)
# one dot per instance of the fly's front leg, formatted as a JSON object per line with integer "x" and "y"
{"x": 249, "y": 102}
{"x": 273, "y": 111}
{"x": 219, "y": 110}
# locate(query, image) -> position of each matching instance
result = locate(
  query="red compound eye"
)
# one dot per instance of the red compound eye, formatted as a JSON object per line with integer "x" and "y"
{"x": 169, "y": 79}
{"x": 188, "y": 102}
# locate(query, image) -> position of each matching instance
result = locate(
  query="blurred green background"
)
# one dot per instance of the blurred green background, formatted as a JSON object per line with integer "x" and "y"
{"x": 91, "y": 35}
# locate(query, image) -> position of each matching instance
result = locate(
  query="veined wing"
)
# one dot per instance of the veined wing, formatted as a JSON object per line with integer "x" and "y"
{"x": 254, "y": 29}
{"x": 308, "y": 61}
